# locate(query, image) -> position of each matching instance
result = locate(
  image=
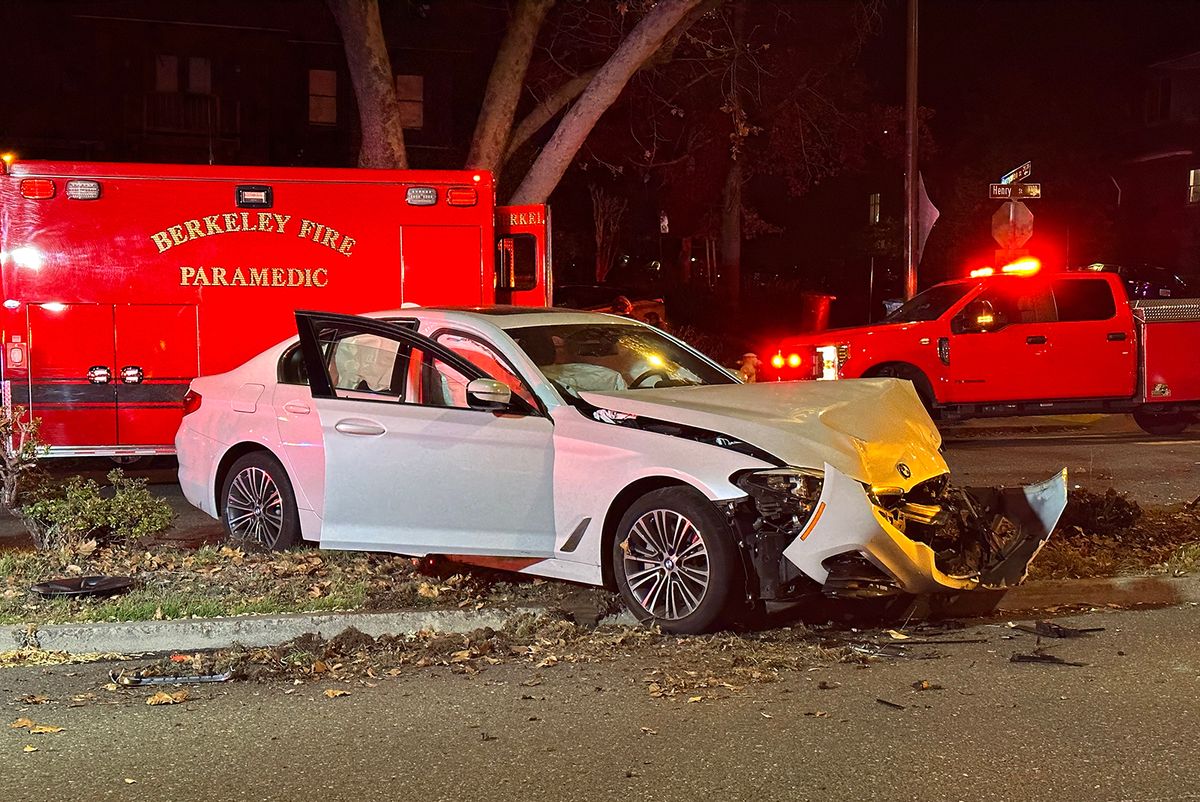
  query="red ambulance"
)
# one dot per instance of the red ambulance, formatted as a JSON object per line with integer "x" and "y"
{"x": 119, "y": 283}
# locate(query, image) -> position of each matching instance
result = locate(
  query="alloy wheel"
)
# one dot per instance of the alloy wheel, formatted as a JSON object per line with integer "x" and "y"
{"x": 254, "y": 508}
{"x": 666, "y": 564}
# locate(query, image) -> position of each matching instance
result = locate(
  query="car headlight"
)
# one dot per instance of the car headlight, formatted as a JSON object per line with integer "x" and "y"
{"x": 782, "y": 494}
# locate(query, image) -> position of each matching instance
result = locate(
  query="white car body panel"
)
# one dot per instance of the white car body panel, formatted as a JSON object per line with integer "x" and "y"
{"x": 415, "y": 471}
{"x": 807, "y": 424}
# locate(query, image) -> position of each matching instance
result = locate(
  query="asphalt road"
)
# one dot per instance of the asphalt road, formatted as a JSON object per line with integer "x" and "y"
{"x": 1121, "y": 728}
{"x": 1112, "y": 452}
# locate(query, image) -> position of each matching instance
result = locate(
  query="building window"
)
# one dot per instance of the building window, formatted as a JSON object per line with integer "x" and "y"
{"x": 1194, "y": 185}
{"x": 873, "y": 209}
{"x": 322, "y": 97}
{"x": 410, "y": 96}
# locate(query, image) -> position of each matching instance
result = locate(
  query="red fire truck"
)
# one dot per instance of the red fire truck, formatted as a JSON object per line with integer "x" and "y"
{"x": 1017, "y": 341}
{"x": 119, "y": 283}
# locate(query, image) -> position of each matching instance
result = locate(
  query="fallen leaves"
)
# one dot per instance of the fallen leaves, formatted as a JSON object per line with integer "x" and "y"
{"x": 34, "y": 729}
{"x": 29, "y": 748}
{"x": 33, "y": 699}
{"x": 164, "y": 698}
{"x": 334, "y": 693}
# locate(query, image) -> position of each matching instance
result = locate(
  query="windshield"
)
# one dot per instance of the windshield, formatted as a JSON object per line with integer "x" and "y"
{"x": 929, "y": 305}
{"x": 603, "y": 357}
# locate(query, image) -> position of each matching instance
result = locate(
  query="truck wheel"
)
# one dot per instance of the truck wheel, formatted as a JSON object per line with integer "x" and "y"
{"x": 674, "y": 561}
{"x": 257, "y": 503}
{"x": 1161, "y": 422}
{"x": 920, "y": 383}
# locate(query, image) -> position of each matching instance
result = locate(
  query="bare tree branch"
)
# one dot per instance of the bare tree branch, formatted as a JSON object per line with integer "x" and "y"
{"x": 633, "y": 52}
{"x": 504, "y": 85}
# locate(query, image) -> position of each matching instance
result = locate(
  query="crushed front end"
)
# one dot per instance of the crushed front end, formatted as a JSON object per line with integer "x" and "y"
{"x": 801, "y": 526}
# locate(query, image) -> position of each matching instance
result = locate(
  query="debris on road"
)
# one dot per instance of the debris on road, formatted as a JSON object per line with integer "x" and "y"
{"x": 892, "y": 705}
{"x": 1038, "y": 656}
{"x": 137, "y": 678}
{"x": 1049, "y": 629}
{"x": 926, "y": 685}
{"x": 93, "y": 585}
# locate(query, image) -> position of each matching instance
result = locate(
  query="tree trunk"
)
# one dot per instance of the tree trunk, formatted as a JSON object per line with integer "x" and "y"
{"x": 731, "y": 236}
{"x": 545, "y": 111}
{"x": 374, "y": 88}
{"x": 637, "y": 47}
{"x": 492, "y": 131}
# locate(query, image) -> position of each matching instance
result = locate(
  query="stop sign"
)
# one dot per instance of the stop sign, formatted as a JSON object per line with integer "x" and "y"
{"x": 1012, "y": 225}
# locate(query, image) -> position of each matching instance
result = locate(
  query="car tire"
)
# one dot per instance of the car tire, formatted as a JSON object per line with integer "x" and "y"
{"x": 1163, "y": 423}
{"x": 258, "y": 506}
{"x": 675, "y": 562}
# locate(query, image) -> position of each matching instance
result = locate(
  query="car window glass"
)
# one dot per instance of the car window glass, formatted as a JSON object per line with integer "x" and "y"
{"x": 1020, "y": 302}
{"x": 292, "y": 369}
{"x": 362, "y": 365}
{"x": 433, "y": 383}
{"x": 482, "y": 356}
{"x": 1083, "y": 299}
{"x": 930, "y": 304}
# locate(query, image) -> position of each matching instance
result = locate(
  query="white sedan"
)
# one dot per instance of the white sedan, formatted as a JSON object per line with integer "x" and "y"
{"x": 596, "y": 449}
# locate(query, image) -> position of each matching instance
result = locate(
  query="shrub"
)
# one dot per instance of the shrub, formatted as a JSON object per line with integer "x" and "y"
{"x": 81, "y": 509}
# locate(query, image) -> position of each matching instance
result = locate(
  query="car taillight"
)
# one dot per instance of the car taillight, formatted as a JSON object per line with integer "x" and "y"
{"x": 191, "y": 402}
{"x": 777, "y": 361}
{"x": 793, "y": 360}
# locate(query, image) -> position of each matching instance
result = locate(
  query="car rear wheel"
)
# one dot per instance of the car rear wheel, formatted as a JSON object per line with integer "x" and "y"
{"x": 1161, "y": 422}
{"x": 258, "y": 506}
{"x": 674, "y": 560}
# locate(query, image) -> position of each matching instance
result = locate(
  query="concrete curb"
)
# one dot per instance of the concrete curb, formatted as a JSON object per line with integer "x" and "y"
{"x": 194, "y": 634}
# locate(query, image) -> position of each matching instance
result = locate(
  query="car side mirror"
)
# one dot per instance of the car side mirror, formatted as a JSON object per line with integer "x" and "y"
{"x": 488, "y": 394}
{"x": 978, "y": 317}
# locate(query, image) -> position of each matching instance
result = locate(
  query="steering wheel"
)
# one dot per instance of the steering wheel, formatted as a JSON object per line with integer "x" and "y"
{"x": 647, "y": 374}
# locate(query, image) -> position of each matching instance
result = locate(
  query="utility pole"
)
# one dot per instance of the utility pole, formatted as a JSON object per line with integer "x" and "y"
{"x": 911, "y": 223}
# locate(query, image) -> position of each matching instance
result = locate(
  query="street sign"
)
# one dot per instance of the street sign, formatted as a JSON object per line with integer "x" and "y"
{"x": 1012, "y": 225}
{"x": 1014, "y": 191}
{"x": 1019, "y": 174}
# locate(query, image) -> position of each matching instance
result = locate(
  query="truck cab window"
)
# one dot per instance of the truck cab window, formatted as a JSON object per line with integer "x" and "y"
{"x": 1084, "y": 299}
{"x": 1023, "y": 302}
{"x": 516, "y": 268}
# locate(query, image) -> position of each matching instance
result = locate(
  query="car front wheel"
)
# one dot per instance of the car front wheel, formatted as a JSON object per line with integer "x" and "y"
{"x": 258, "y": 506}
{"x": 674, "y": 561}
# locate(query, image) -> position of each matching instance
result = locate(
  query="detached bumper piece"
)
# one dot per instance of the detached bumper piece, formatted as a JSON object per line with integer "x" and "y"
{"x": 859, "y": 543}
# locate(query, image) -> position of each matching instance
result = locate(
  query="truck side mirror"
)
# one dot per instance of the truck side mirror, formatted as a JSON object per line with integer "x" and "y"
{"x": 978, "y": 317}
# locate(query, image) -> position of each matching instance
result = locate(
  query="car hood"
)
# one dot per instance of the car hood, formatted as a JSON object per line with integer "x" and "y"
{"x": 866, "y": 428}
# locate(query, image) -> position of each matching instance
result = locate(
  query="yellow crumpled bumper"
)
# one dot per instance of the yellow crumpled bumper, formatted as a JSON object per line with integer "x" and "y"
{"x": 846, "y": 520}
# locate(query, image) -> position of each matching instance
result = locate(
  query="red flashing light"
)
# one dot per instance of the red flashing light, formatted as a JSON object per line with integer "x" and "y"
{"x": 982, "y": 272}
{"x": 461, "y": 196}
{"x": 37, "y": 188}
{"x": 777, "y": 361}
{"x": 1022, "y": 267}
{"x": 191, "y": 402}
{"x": 793, "y": 360}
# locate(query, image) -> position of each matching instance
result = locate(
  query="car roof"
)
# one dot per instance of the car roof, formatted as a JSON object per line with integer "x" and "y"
{"x": 505, "y": 317}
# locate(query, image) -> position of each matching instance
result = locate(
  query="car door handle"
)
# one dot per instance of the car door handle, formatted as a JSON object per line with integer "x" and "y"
{"x": 1116, "y": 336}
{"x": 359, "y": 426}
{"x": 1036, "y": 339}
{"x": 297, "y": 407}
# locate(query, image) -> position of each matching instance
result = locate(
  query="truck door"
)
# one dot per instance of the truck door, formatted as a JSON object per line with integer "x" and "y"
{"x": 1006, "y": 362}
{"x": 1090, "y": 350}
{"x": 156, "y": 357}
{"x": 71, "y": 374}
{"x": 523, "y": 274}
